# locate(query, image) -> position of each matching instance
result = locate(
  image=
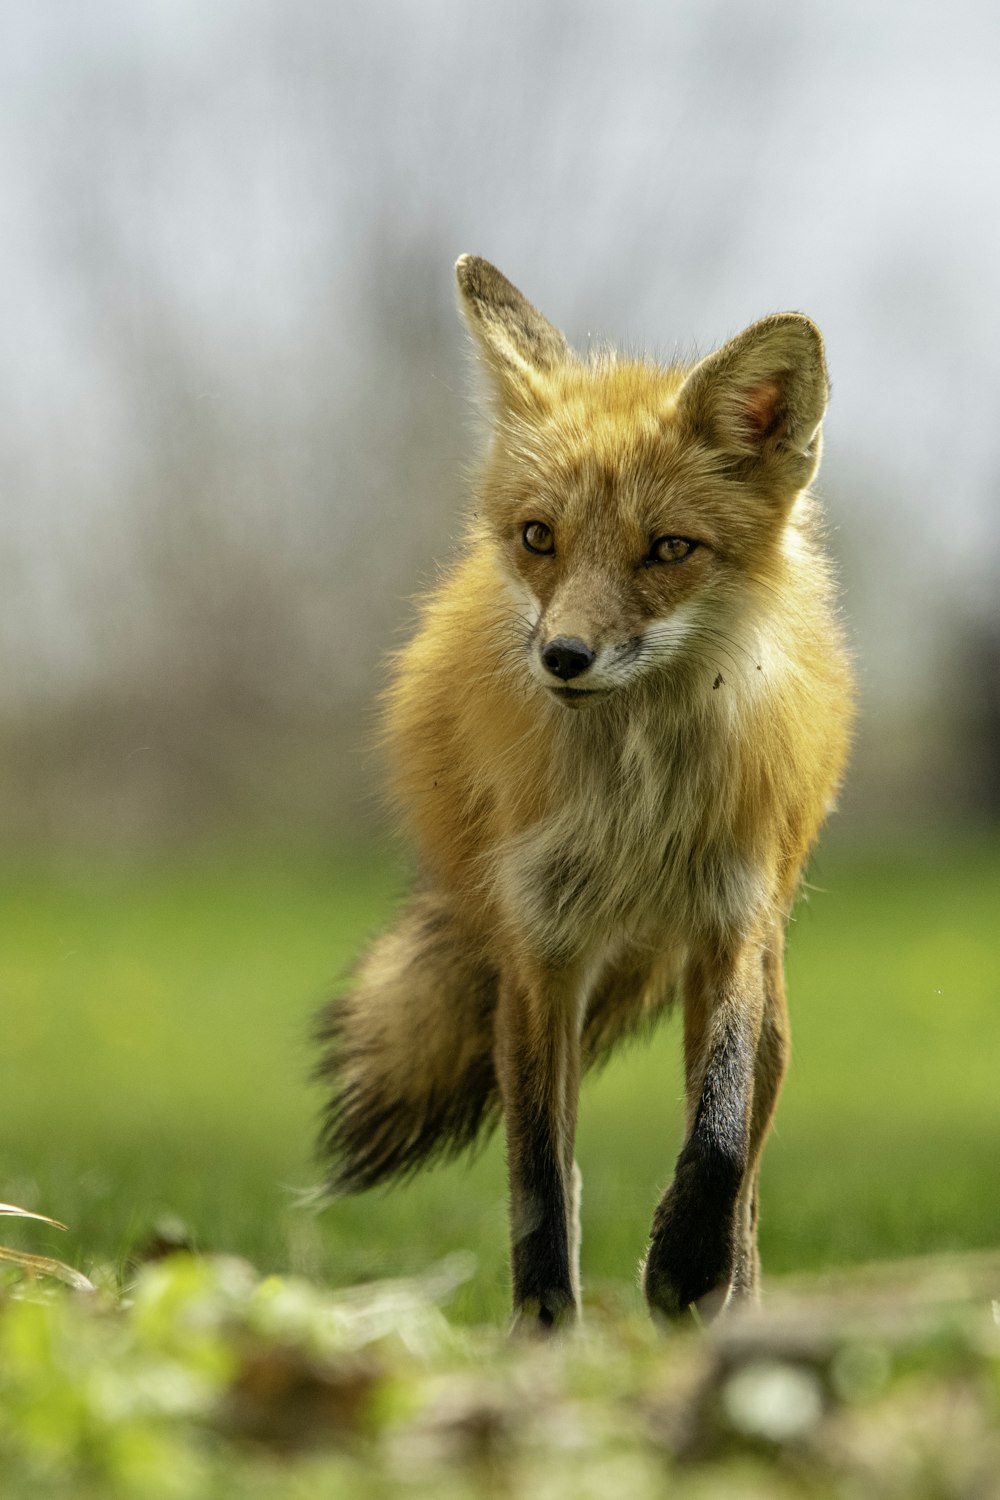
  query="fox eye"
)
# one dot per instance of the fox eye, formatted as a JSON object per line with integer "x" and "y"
{"x": 537, "y": 537}
{"x": 670, "y": 549}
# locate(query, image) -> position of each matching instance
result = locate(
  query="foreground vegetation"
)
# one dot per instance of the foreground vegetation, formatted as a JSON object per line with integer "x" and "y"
{"x": 208, "y": 1380}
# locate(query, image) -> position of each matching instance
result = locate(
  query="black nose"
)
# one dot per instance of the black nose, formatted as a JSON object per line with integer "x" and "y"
{"x": 566, "y": 657}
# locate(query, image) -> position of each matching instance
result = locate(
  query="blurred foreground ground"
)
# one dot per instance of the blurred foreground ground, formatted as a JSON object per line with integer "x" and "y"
{"x": 208, "y": 1382}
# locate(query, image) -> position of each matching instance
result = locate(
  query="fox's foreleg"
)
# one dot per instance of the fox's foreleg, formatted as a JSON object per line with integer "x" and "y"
{"x": 703, "y": 1242}
{"x": 770, "y": 1066}
{"x": 538, "y": 1068}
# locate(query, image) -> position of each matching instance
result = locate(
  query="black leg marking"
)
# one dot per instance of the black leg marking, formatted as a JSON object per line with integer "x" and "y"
{"x": 539, "y": 1068}
{"x": 693, "y": 1245}
{"x": 542, "y": 1274}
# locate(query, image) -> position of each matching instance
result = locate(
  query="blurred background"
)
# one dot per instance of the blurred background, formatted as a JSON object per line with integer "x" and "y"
{"x": 236, "y": 422}
{"x": 235, "y": 390}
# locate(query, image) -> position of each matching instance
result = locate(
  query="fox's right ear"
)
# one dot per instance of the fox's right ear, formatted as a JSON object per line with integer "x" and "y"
{"x": 760, "y": 399}
{"x": 519, "y": 346}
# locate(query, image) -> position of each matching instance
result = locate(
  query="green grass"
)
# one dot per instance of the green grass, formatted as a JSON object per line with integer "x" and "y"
{"x": 154, "y": 1061}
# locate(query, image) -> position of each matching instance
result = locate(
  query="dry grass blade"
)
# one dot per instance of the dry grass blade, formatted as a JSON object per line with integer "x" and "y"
{"x": 46, "y": 1265}
{"x": 13, "y": 1211}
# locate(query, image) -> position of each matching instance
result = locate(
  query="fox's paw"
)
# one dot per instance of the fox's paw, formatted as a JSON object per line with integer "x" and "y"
{"x": 687, "y": 1273}
{"x": 540, "y": 1316}
{"x": 670, "y": 1300}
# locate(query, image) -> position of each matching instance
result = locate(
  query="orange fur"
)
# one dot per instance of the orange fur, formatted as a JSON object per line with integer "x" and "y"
{"x": 614, "y": 738}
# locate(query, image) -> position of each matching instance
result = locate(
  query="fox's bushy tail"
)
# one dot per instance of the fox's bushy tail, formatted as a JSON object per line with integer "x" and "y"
{"x": 408, "y": 1050}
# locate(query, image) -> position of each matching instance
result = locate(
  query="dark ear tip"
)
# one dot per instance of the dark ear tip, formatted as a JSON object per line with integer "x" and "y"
{"x": 797, "y": 336}
{"x": 470, "y": 273}
{"x": 480, "y": 281}
{"x": 799, "y": 323}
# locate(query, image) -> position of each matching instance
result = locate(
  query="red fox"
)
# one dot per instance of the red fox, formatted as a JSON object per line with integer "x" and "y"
{"x": 613, "y": 740}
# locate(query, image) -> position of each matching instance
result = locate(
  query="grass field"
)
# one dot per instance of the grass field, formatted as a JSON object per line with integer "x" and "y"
{"x": 154, "y": 1061}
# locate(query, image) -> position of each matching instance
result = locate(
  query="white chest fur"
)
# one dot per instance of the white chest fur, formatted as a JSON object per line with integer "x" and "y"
{"x": 637, "y": 841}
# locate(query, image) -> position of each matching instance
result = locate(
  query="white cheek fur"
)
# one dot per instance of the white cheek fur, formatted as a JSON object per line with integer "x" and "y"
{"x": 526, "y": 606}
{"x": 664, "y": 638}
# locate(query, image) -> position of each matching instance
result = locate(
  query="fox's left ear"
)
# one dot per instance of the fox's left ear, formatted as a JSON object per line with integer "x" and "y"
{"x": 760, "y": 400}
{"x": 519, "y": 346}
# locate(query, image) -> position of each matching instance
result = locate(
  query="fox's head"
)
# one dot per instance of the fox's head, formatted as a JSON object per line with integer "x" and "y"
{"x": 636, "y": 508}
